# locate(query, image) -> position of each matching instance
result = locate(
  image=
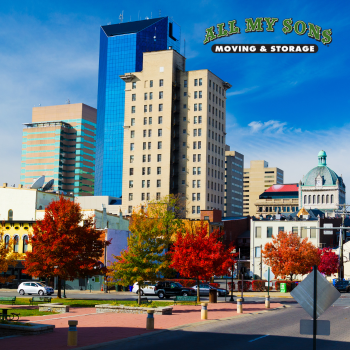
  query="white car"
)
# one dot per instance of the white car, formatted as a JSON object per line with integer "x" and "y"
{"x": 34, "y": 288}
{"x": 148, "y": 288}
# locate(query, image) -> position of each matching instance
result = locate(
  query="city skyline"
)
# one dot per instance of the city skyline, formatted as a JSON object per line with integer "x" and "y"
{"x": 281, "y": 108}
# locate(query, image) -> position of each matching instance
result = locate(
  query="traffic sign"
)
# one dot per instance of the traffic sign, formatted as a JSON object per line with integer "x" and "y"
{"x": 323, "y": 327}
{"x": 266, "y": 275}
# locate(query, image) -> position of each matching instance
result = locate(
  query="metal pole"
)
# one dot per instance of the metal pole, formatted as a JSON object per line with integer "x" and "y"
{"x": 261, "y": 261}
{"x": 268, "y": 281}
{"x": 315, "y": 306}
{"x": 64, "y": 289}
{"x": 226, "y": 286}
{"x": 231, "y": 299}
{"x": 242, "y": 274}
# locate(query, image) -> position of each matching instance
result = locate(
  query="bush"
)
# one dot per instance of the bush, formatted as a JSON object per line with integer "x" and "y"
{"x": 229, "y": 286}
{"x": 216, "y": 285}
{"x": 246, "y": 286}
{"x": 289, "y": 285}
{"x": 258, "y": 285}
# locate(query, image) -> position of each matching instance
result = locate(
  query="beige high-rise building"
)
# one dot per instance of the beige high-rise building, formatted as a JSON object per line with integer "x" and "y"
{"x": 256, "y": 180}
{"x": 174, "y": 134}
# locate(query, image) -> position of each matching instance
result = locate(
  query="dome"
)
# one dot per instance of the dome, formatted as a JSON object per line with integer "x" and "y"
{"x": 328, "y": 175}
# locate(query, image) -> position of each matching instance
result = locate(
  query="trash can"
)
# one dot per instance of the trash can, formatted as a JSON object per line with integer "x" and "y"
{"x": 130, "y": 288}
{"x": 283, "y": 287}
{"x": 213, "y": 296}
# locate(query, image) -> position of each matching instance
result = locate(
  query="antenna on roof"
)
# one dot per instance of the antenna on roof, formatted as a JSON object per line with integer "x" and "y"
{"x": 121, "y": 17}
{"x": 68, "y": 102}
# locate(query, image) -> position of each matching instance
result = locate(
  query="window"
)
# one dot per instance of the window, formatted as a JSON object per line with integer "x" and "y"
{"x": 133, "y": 97}
{"x": 332, "y": 198}
{"x": 195, "y": 107}
{"x": 198, "y": 196}
{"x": 198, "y": 183}
{"x": 196, "y": 94}
{"x": 159, "y": 170}
{"x": 184, "y": 106}
{"x": 160, "y": 120}
{"x": 131, "y": 171}
{"x": 148, "y": 196}
{"x": 194, "y": 145}
{"x": 133, "y": 108}
{"x": 193, "y": 183}
{"x": 145, "y": 96}
{"x": 209, "y": 83}
{"x": 198, "y": 209}
{"x": 160, "y": 145}
{"x": 143, "y": 171}
{"x": 200, "y": 81}
{"x": 200, "y": 94}
{"x": 151, "y": 95}
{"x": 15, "y": 244}
{"x": 194, "y": 157}
{"x": 129, "y": 208}
{"x": 159, "y": 183}
{"x": 257, "y": 232}
{"x": 160, "y": 108}
{"x": 132, "y": 121}
{"x": 143, "y": 196}
{"x": 144, "y": 145}
{"x": 195, "y": 82}
{"x": 131, "y": 196}
{"x": 199, "y": 157}
{"x": 281, "y": 228}
{"x": 199, "y": 144}
{"x": 149, "y": 145}
{"x": 269, "y": 232}
{"x": 161, "y": 82}
{"x": 257, "y": 252}
{"x": 150, "y": 108}
{"x": 134, "y": 84}
{"x": 145, "y": 131}
{"x": 185, "y": 83}
{"x": 199, "y": 170}
{"x": 199, "y": 106}
{"x": 132, "y": 134}
{"x": 194, "y": 120}
{"x": 149, "y": 158}
{"x": 158, "y": 196}
{"x": 160, "y": 132}
{"x": 295, "y": 230}
{"x": 303, "y": 233}
{"x": 160, "y": 95}
{"x": 131, "y": 184}
{"x": 193, "y": 210}
{"x": 193, "y": 196}
{"x": 150, "y": 120}
{"x": 132, "y": 146}
{"x": 149, "y": 132}
{"x": 143, "y": 183}
{"x": 159, "y": 157}
{"x": 151, "y": 83}
{"x": 199, "y": 132}
{"x": 313, "y": 232}
{"x": 131, "y": 159}
{"x": 148, "y": 171}
{"x": 199, "y": 120}
{"x": 145, "y": 108}
{"x": 25, "y": 244}
{"x": 194, "y": 171}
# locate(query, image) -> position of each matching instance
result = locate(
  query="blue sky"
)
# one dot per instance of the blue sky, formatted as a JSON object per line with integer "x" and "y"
{"x": 283, "y": 108}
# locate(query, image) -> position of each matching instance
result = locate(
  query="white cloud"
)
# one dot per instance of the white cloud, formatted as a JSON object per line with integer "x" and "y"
{"x": 240, "y": 92}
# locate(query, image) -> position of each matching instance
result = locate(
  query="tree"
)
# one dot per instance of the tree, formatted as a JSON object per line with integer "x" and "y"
{"x": 7, "y": 257}
{"x": 329, "y": 261}
{"x": 289, "y": 255}
{"x": 201, "y": 255}
{"x": 64, "y": 246}
{"x": 151, "y": 231}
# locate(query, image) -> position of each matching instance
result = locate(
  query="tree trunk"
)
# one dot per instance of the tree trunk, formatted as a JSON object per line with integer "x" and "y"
{"x": 139, "y": 295}
{"x": 59, "y": 286}
{"x": 291, "y": 277}
{"x": 198, "y": 294}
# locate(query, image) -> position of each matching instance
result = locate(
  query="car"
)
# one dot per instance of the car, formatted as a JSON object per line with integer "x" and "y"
{"x": 342, "y": 286}
{"x": 205, "y": 288}
{"x": 147, "y": 288}
{"x": 34, "y": 288}
{"x": 166, "y": 289}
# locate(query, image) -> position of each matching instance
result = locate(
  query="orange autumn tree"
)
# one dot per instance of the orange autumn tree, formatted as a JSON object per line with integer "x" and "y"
{"x": 62, "y": 246}
{"x": 7, "y": 257}
{"x": 289, "y": 255}
{"x": 201, "y": 255}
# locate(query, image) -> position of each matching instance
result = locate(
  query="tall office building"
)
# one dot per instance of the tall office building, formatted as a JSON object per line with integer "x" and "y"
{"x": 121, "y": 49}
{"x": 174, "y": 134}
{"x": 60, "y": 144}
{"x": 256, "y": 180}
{"x": 234, "y": 164}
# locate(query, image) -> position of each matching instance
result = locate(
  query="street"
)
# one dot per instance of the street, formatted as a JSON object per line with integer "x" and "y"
{"x": 273, "y": 330}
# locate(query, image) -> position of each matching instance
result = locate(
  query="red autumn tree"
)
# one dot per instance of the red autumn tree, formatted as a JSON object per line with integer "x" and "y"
{"x": 200, "y": 255}
{"x": 329, "y": 261}
{"x": 289, "y": 255}
{"x": 62, "y": 246}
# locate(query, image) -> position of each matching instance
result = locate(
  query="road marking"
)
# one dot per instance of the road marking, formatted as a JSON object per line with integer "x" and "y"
{"x": 259, "y": 338}
{"x": 346, "y": 307}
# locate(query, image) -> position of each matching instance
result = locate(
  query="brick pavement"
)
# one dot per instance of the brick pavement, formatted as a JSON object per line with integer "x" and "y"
{"x": 99, "y": 328}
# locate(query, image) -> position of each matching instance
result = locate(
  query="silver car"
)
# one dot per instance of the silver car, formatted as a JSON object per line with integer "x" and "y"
{"x": 34, "y": 288}
{"x": 205, "y": 288}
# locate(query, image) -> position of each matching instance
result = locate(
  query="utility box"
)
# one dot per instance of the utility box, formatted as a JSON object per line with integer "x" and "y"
{"x": 283, "y": 287}
{"x": 213, "y": 296}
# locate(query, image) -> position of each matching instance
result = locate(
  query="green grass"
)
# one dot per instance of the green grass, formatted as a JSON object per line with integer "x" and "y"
{"x": 29, "y": 312}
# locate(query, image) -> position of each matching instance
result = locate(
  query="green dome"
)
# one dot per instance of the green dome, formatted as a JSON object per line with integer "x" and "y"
{"x": 328, "y": 175}
{"x": 322, "y": 154}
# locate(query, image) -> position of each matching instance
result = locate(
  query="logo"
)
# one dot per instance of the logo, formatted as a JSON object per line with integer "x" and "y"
{"x": 251, "y": 26}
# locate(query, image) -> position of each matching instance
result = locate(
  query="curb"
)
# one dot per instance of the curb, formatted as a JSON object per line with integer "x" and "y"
{"x": 184, "y": 326}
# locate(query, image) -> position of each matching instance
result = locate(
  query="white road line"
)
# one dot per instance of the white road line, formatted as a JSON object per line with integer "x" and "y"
{"x": 346, "y": 307}
{"x": 259, "y": 338}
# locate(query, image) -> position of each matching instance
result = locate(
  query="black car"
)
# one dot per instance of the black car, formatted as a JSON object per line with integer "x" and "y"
{"x": 343, "y": 286}
{"x": 169, "y": 288}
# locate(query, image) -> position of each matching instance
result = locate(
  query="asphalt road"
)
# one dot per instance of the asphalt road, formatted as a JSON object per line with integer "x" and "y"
{"x": 272, "y": 330}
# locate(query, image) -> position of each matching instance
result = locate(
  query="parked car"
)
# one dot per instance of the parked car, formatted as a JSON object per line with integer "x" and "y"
{"x": 205, "y": 288}
{"x": 147, "y": 288}
{"x": 34, "y": 288}
{"x": 343, "y": 286}
{"x": 169, "y": 288}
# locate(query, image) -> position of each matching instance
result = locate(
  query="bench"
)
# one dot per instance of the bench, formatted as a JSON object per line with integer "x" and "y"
{"x": 40, "y": 300}
{"x": 12, "y": 299}
{"x": 144, "y": 300}
{"x": 185, "y": 298}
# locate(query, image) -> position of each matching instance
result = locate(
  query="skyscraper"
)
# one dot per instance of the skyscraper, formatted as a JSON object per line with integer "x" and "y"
{"x": 60, "y": 144}
{"x": 121, "y": 50}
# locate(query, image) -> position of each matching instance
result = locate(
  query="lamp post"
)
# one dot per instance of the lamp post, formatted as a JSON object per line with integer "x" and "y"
{"x": 232, "y": 252}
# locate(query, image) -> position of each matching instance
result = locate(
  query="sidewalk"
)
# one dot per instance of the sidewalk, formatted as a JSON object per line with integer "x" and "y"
{"x": 100, "y": 328}
{"x": 273, "y": 294}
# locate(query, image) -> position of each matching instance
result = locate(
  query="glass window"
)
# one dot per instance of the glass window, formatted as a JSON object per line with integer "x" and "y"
{"x": 145, "y": 96}
{"x": 133, "y": 109}
{"x": 199, "y": 157}
{"x": 194, "y": 171}
{"x": 194, "y": 120}
{"x": 131, "y": 196}
{"x": 184, "y": 106}
{"x": 149, "y": 158}
{"x": 159, "y": 170}
{"x": 193, "y": 210}
{"x": 160, "y": 120}
{"x": 193, "y": 196}
{"x": 151, "y": 95}
{"x": 196, "y": 94}
{"x": 198, "y": 196}
{"x": 160, "y": 95}
{"x": 143, "y": 196}
{"x": 199, "y": 170}
{"x": 133, "y": 97}
{"x": 195, "y": 82}
{"x": 200, "y": 81}
{"x": 160, "y": 145}
{"x": 132, "y": 146}
{"x": 158, "y": 196}
{"x": 194, "y": 157}
{"x": 257, "y": 232}
{"x": 161, "y": 82}
{"x": 149, "y": 132}
{"x": 145, "y": 108}
{"x": 159, "y": 158}
{"x": 132, "y": 121}
{"x": 200, "y": 94}
{"x": 199, "y": 120}
{"x": 149, "y": 145}
{"x": 257, "y": 252}
{"x": 295, "y": 230}
{"x": 195, "y": 107}
{"x": 25, "y": 244}
{"x": 144, "y": 145}
{"x": 303, "y": 233}
{"x": 148, "y": 171}
{"x": 199, "y": 106}
{"x": 193, "y": 183}
{"x": 132, "y": 134}
{"x": 131, "y": 171}
{"x": 160, "y": 132}
{"x": 198, "y": 183}
{"x": 134, "y": 84}
{"x": 143, "y": 171}
{"x": 144, "y": 123}
{"x": 160, "y": 108}
{"x": 313, "y": 232}
{"x": 185, "y": 83}
{"x": 199, "y": 132}
{"x": 199, "y": 144}
{"x": 150, "y": 108}
{"x": 194, "y": 145}
{"x": 151, "y": 83}
{"x": 131, "y": 184}
{"x": 269, "y": 232}
{"x": 281, "y": 228}
{"x": 15, "y": 244}
{"x": 131, "y": 159}
{"x": 143, "y": 183}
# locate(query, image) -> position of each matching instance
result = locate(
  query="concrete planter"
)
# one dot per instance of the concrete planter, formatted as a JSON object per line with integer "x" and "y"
{"x": 28, "y": 330}
{"x": 167, "y": 310}
{"x": 54, "y": 307}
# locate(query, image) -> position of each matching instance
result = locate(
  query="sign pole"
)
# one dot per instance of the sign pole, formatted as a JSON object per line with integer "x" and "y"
{"x": 268, "y": 281}
{"x": 315, "y": 305}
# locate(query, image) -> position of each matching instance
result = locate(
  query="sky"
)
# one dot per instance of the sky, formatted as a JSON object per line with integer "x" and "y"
{"x": 283, "y": 108}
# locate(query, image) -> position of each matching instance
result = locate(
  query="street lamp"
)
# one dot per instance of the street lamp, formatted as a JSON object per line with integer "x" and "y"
{"x": 232, "y": 252}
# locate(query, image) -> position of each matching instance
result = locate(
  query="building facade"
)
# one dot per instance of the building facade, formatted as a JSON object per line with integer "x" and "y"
{"x": 256, "y": 180}
{"x": 60, "y": 144}
{"x": 121, "y": 50}
{"x": 278, "y": 199}
{"x": 322, "y": 188}
{"x": 234, "y": 165}
{"x": 174, "y": 134}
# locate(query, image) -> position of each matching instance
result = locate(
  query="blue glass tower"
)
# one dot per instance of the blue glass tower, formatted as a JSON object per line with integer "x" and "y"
{"x": 121, "y": 51}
